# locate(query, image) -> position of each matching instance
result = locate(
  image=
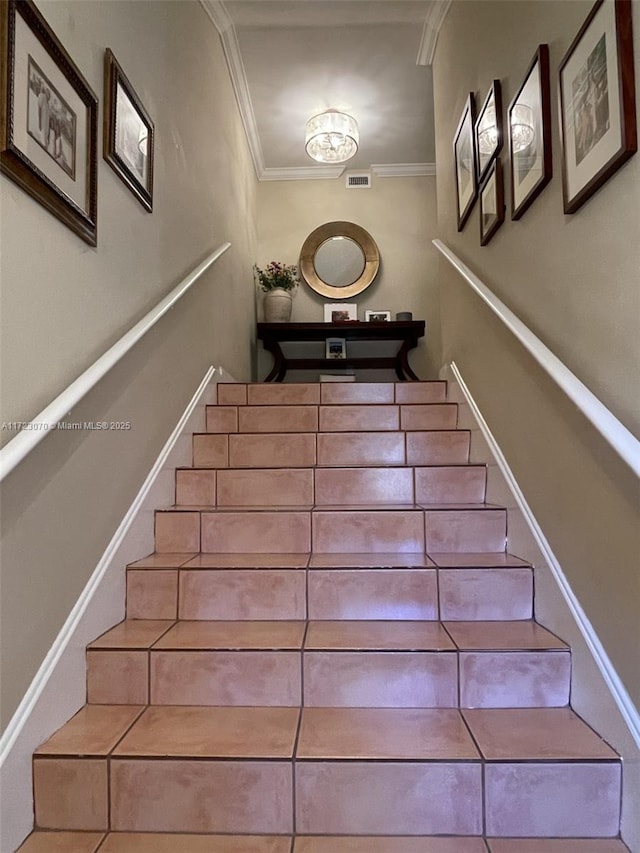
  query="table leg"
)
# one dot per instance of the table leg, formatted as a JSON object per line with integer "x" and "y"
{"x": 402, "y": 366}
{"x": 279, "y": 364}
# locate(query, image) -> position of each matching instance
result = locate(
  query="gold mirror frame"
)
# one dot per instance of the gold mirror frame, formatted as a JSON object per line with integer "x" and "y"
{"x": 339, "y": 229}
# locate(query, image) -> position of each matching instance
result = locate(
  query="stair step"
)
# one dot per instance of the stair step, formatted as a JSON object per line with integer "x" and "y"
{"x": 239, "y": 394}
{"x": 345, "y": 664}
{"x": 131, "y": 842}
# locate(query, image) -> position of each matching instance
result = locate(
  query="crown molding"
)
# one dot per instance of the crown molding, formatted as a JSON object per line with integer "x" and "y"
{"x": 403, "y": 170}
{"x": 301, "y": 173}
{"x": 221, "y": 20}
{"x": 432, "y": 25}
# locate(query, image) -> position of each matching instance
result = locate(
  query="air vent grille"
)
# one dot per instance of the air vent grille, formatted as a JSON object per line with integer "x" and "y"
{"x": 358, "y": 180}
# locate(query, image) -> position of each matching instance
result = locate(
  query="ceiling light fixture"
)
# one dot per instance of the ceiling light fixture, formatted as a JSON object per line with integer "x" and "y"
{"x": 332, "y": 137}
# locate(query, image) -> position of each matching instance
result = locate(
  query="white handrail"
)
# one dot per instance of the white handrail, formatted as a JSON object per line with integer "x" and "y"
{"x": 616, "y": 434}
{"x": 32, "y": 434}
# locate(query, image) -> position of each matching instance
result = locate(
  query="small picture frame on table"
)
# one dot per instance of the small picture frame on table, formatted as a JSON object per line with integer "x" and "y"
{"x": 529, "y": 123}
{"x": 597, "y": 102}
{"x": 488, "y": 130}
{"x": 464, "y": 158}
{"x": 340, "y": 312}
{"x": 48, "y": 120}
{"x": 491, "y": 203}
{"x": 128, "y": 133}
{"x": 377, "y": 316}
{"x": 336, "y": 348}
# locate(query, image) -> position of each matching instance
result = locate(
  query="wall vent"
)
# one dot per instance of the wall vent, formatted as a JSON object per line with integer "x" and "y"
{"x": 358, "y": 180}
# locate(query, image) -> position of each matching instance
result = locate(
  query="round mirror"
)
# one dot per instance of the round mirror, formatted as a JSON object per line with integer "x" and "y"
{"x": 339, "y": 260}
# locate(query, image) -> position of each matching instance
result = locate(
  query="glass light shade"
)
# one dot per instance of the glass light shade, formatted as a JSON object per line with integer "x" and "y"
{"x": 331, "y": 137}
{"x": 522, "y": 127}
{"x": 488, "y": 135}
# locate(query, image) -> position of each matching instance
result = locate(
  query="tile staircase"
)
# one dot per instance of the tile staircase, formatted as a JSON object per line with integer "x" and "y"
{"x": 330, "y": 651}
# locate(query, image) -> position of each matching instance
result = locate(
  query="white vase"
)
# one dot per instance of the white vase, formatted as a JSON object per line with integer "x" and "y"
{"x": 277, "y": 306}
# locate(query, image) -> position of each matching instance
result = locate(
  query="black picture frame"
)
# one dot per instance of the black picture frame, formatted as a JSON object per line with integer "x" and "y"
{"x": 492, "y": 206}
{"x": 129, "y": 133}
{"x": 48, "y": 120}
{"x": 597, "y": 102}
{"x": 464, "y": 161}
{"x": 488, "y": 131}
{"x": 529, "y": 115}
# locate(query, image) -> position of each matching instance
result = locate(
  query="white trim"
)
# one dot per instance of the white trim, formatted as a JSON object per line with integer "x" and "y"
{"x": 615, "y": 433}
{"x": 14, "y": 451}
{"x": 616, "y": 687}
{"x": 58, "y": 689}
{"x": 221, "y": 20}
{"x": 403, "y": 170}
{"x": 301, "y": 173}
{"x": 438, "y": 11}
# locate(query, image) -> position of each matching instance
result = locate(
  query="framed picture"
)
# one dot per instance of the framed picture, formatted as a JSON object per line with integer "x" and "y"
{"x": 492, "y": 203}
{"x": 529, "y": 121}
{"x": 464, "y": 159}
{"x": 377, "y": 316}
{"x": 48, "y": 120}
{"x": 335, "y": 348}
{"x": 597, "y": 102}
{"x": 488, "y": 130}
{"x": 340, "y": 312}
{"x": 128, "y": 133}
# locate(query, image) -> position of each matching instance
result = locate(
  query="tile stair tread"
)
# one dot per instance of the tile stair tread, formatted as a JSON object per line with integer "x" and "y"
{"x": 240, "y": 560}
{"x": 486, "y": 559}
{"x": 404, "y": 734}
{"x": 359, "y": 507}
{"x": 42, "y": 841}
{"x": 158, "y": 560}
{"x": 370, "y": 561}
{"x": 364, "y": 635}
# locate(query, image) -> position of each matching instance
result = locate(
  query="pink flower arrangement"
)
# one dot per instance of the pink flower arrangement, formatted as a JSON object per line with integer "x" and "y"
{"x": 277, "y": 275}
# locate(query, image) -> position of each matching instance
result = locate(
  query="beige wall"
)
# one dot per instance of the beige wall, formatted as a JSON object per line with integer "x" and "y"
{"x": 574, "y": 281}
{"x": 399, "y": 213}
{"x": 65, "y": 303}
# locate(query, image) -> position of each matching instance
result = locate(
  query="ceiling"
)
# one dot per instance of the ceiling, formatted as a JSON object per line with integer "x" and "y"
{"x": 291, "y": 59}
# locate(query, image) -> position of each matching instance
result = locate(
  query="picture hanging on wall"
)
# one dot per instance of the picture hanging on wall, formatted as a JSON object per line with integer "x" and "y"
{"x": 128, "y": 133}
{"x": 492, "y": 203}
{"x": 464, "y": 160}
{"x": 529, "y": 122}
{"x": 597, "y": 102}
{"x": 49, "y": 120}
{"x": 488, "y": 130}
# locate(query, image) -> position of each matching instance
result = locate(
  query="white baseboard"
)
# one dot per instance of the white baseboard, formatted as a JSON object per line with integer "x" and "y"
{"x": 58, "y": 689}
{"x": 611, "y": 678}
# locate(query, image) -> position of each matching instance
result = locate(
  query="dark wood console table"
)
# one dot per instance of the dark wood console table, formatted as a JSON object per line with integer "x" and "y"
{"x": 406, "y": 332}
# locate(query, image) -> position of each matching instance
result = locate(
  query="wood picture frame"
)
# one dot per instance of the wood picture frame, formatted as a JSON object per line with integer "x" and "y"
{"x": 340, "y": 312}
{"x": 48, "y": 120}
{"x": 128, "y": 145}
{"x": 492, "y": 207}
{"x": 598, "y": 123}
{"x": 529, "y": 127}
{"x": 464, "y": 161}
{"x": 488, "y": 131}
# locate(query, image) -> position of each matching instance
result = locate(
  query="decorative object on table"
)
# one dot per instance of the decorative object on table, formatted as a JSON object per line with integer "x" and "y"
{"x": 377, "y": 316}
{"x": 529, "y": 124}
{"x": 491, "y": 203}
{"x": 404, "y": 316}
{"x": 464, "y": 159}
{"x": 128, "y": 133}
{"x": 339, "y": 260}
{"x": 488, "y": 130}
{"x": 340, "y": 312}
{"x": 49, "y": 120}
{"x": 336, "y": 348}
{"x": 279, "y": 282}
{"x": 597, "y": 102}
